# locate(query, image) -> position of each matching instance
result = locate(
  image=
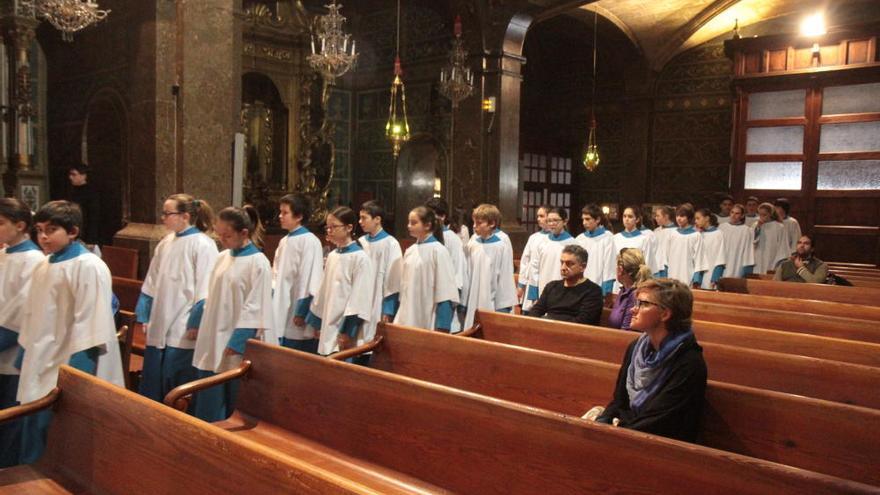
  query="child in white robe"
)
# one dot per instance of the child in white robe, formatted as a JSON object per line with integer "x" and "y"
{"x": 17, "y": 262}
{"x": 173, "y": 294}
{"x": 663, "y": 218}
{"x": 599, "y": 243}
{"x": 68, "y": 318}
{"x": 343, "y": 307}
{"x": 426, "y": 282}
{"x": 490, "y": 284}
{"x": 528, "y": 252}
{"x": 724, "y": 207}
{"x": 297, "y": 271}
{"x": 792, "y": 227}
{"x": 684, "y": 248}
{"x": 455, "y": 248}
{"x": 739, "y": 244}
{"x": 238, "y": 308}
{"x": 384, "y": 251}
{"x": 544, "y": 264}
{"x": 632, "y": 237}
{"x": 771, "y": 240}
{"x": 751, "y": 218}
{"x": 713, "y": 255}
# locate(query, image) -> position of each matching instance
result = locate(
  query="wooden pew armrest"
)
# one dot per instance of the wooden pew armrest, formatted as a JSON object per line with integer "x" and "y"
{"x": 180, "y": 397}
{"x": 16, "y": 412}
{"x": 357, "y": 351}
{"x": 471, "y": 331}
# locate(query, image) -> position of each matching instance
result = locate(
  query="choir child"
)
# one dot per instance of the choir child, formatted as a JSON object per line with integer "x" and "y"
{"x": 792, "y": 227}
{"x": 526, "y": 258}
{"x": 343, "y": 307}
{"x": 238, "y": 308}
{"x": 713, "y": 256}
{"x": 771, "y": 240}
{"x": 684, "y": 248}
{"x": 490, "y": 285}
{"x": 173, "y": 294}
{"x": 544, "y": 264}
{"x": 664, "y": 218}
{"x": 599, "y": 243}
{"x": 296, "y": 275}
{"x": 18, "y": 260}
{"x": 68, "y": 318}
{"x": 632, "y": 237}
{"x": 751, "y": 218}
{"x": 724, "y": 207}
{"x": 426, "y": 281}
{"x": 384, "y": 252}
{"x": 738, "y": 244}
{"x": 455, "y": 247}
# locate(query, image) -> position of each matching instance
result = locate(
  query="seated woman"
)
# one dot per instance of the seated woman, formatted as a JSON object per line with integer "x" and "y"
{"x": 662, "y": 382}
{"x": 631, "y": 271}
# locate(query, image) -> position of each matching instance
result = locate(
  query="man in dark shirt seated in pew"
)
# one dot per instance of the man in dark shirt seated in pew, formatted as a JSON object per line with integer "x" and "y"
{"x": 574, "y": 298}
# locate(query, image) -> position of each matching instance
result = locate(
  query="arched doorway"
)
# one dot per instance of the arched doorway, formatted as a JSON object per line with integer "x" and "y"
{"x": 104, "y": 142}
{"x": 418, "y": 167}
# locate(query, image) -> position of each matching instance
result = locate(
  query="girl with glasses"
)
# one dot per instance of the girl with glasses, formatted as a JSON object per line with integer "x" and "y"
{"x": 545, "y": 258}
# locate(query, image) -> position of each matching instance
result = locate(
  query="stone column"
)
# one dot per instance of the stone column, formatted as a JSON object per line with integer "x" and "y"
{"x": 18, "y": 35}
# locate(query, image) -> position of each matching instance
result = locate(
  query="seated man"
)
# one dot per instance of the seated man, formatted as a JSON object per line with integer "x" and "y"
{"x": 802, "y": 266}
{"x": 662, "y": 382}
{"x": 574, "y": 298}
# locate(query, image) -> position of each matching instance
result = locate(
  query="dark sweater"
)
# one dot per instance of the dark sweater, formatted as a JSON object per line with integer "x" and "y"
{"x": 676, "y": 408}
{"x": 579, "y": 304}
{"x": 89, "y": 200}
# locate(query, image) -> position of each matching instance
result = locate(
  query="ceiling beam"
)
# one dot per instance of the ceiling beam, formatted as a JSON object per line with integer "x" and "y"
{"x": 682, "y": 34}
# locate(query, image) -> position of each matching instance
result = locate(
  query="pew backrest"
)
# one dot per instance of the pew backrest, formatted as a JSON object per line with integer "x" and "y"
{"x": 811, "y": 306}
{"x": 122, "y": 262}
{"x": 852, "y": 295}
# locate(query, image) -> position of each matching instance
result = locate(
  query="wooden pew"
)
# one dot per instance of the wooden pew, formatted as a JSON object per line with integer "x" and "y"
{"x": 834, "y": 293}
{"x": 105, "y": 440}
{"x": 787, "y": 304}
{"x": 122, "y": 262}
{"x": 759, "y": 423}
{"x": 774, "y": 319}
{"x": 352, "y": 419}
{"x": 811, "y": 377}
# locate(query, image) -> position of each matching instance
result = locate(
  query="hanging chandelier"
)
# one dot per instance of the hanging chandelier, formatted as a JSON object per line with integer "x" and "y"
{"x": 335, "y": 56}
{"x": 457, "y": 79}
{"x": 397, "y": 127}
{"x": 70, "y": 16}
{"x": 591, "y": 156}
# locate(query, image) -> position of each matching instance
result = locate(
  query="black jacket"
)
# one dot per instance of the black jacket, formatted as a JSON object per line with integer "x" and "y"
{"x": 579, "y": 304}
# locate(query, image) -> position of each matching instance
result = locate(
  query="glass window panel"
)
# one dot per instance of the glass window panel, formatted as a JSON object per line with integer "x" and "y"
{"x": 542, "y": 176}
{"x": 775, "y": 140}
{"x": 777, "y": 104}
{"x": 855, "y": 136}
{"x": 858, "y": 98}
{"x": 851, "y": 174}
{"x": 773, "y": 175}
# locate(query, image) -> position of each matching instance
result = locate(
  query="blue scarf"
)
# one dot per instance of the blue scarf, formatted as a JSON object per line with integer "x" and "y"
{"x": 649, "y": 369}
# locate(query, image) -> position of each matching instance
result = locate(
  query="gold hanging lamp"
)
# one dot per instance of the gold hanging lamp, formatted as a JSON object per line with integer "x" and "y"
{"x": 591, "y": 156}
{"x": 397, "y": 127}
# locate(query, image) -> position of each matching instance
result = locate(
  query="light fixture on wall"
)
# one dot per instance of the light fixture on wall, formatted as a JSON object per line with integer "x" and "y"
{"x": 813, "y": 25}
{"x": 336, "y": 56}
{"x": 70, "y": 16}
{"x": 397, "y": 127}
{"x": 591, "y": 156}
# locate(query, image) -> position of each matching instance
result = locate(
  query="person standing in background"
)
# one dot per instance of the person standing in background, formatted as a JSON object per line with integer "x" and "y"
{"x": 89, "y": 200}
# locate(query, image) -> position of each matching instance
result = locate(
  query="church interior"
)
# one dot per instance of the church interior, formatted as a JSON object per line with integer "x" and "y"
{"x": 522, "y": 104}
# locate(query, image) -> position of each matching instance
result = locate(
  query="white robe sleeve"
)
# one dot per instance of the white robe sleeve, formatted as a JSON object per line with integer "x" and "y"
{"x": 360, "y": 303}
{"x": 256, "y": 309}
{"x": 505, "y": 292}
{"x": 205, "y": 258}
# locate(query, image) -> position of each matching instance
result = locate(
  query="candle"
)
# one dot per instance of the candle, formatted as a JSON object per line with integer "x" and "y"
{"x": 352, "y": 46}
{"x": 322, "y": 44}
{"x": 313, "y": 46}
{"x": 345, "y": 44}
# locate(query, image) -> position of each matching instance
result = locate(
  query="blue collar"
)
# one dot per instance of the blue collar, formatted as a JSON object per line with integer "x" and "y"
{"x": 596, "y": 233}
{"x": 545, "y": 232}
{"x": 498, "y": 231}
{"x": 564, "y": 235}
{"x": 298, "y": 231}
{"x": 350, "y": 248}
{"x": 634, "y": 233}
{"x": 190, "y": 231}
{"x": 379, "y": 236}
{"x": 430, "y": 238}
{"x": 711, "y": 229}
{"x": 445, "y": 228}
{"x": 26, "y": 245}
{"x": 687, "y": 230}
{"x": 669, "y": 225}
{"x": 490, "y": 240}
{"x": 248, "y": 250}
{"x": 70, "y": 252}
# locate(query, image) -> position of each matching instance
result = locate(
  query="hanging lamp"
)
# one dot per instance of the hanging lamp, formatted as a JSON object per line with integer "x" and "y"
{"x": 397, "y": 127}
{"x": 591, "y": 156}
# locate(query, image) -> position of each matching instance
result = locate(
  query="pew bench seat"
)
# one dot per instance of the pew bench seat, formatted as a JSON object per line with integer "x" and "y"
{"x": 28, "y": 479}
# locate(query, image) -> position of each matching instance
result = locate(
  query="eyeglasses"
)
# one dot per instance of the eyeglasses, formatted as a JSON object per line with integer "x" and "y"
{"x": 331, "y": 228}
{"x": 166, "y": 214}
{"x": 641, "y": 303}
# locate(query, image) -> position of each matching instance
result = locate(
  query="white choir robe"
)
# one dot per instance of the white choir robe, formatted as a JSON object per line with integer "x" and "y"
{"x": 384, "y": 252}
{"x": 713, "y": 257}
{"x": 545, "y": 263}
{"x": 662, "y": 236}
{"x": 464, "y": 234}
{"x": 639, "y": 240}
{"x": 177, "y": 279}
{"x": 346, "y": 291}
{"x": 297, "y": 271}
{"x": 771, "y": 246}
{"x": 239, "y": 296}
{"x": 793, "y": 228}
{"x": 456, "y": 254}
{"x": 490, "y": 285}
{"x": 525, "y": 267}
{"x": 722, "y": 219}
{"x": 739, "y": 245}
{"x": 601, "y": 258}
{"x": 68, "y": 310}
{"x": 684, "y": 254}
{"x": 426, "y": 279}
{"x": 751, "y": 221}
{"x": 17, "y": 264}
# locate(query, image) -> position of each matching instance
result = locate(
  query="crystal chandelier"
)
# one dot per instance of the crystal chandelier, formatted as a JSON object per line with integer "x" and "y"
{"x": 397, "y": 127}
{"x": 70, "y": 16}
{"x": 456, "y": 79}
{"x": 335, "y": 57}
{"x": 591, "y": 157}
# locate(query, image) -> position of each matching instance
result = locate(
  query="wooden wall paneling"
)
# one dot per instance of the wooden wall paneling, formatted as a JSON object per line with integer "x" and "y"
{"x": 752, "y": 63}
{"x": 777, "y": 60}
